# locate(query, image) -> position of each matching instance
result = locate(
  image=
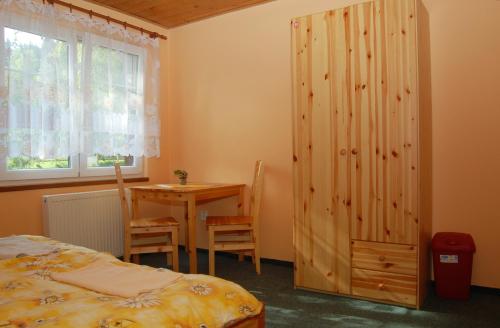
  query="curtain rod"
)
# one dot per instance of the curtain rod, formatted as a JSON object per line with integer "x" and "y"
{"x": 109, "y": 19}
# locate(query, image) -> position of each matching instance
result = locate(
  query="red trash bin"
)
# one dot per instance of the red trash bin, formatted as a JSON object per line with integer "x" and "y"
{"x": 452, "y": 254}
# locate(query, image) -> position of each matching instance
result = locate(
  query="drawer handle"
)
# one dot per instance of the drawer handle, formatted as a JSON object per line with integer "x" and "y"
{"x": 381, "y": 286}
{"x": 381, "y": 258}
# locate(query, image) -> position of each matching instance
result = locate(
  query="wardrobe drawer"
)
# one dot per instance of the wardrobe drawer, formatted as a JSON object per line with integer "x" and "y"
{"x": 384, "y": 286}
{"x": 393, "y": 258}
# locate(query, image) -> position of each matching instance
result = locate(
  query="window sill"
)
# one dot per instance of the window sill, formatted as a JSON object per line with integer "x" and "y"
{"x": 65, "y": 184}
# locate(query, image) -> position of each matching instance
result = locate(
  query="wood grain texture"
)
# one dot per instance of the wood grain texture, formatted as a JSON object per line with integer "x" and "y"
{"x": 172, "y": 13}
{"x": 108, "y": 18}
{"x": 385, "y": 257}
{"x": 384, "y": 126}
{"x": 321, "y": 217}
{"x": 356, "y": 140}
{"x": 385, "y": 286}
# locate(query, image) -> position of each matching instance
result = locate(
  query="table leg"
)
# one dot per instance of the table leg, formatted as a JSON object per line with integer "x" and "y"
{"x": 241, "y": 212}
{"x": 193, "y": 261}
{"x": 186, "y": 230}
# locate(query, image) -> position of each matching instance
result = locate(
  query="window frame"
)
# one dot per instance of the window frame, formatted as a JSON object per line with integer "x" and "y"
{"x": 86, "y": 171}
{"x": 38, "y": 174}
{"x": 79, "y": 168}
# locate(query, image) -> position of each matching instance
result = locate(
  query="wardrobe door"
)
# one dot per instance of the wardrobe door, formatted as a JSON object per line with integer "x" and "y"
{"x": 384, "y": 125}
{"x": 321, "y": 152}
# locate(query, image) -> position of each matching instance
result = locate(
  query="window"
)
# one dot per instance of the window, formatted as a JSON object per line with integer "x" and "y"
{"x": 70, "y": 105}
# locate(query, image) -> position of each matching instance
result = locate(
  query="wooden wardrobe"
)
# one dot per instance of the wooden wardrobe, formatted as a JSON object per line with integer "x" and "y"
{"x": 362, "y": 151}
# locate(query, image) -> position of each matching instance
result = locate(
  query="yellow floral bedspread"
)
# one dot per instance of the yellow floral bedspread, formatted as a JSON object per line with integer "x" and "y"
{"x": 30, "y": 298}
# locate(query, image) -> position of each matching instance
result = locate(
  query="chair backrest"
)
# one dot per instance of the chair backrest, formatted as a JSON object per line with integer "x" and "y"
{"x": 123, "y": 196}
{"x": 256, "y": 195}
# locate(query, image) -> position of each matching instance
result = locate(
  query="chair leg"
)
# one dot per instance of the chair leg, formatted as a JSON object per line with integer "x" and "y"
{"x": 169, "y": 255}
{"x": 241, "y": 255}
{"x": 252, "y": 253}
{"x": 257, "y": 251}
{"x": 175, "y": 249}
{"x": 211, "y": 251}
{"x": 257, "y": 261}
{"x": 126, "y": 248}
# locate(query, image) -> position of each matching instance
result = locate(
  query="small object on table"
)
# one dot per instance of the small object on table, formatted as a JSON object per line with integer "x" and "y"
{"x": 182, "y": 175}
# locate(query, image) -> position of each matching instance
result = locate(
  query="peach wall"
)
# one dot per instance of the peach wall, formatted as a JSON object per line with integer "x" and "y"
{"x": 231, "y": 104}
{"x": 466, "y": 113}
{"x": 21, "y": 212}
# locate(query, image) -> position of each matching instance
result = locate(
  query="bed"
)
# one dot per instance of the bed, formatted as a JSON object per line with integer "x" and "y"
{"x": 29, "y": 297}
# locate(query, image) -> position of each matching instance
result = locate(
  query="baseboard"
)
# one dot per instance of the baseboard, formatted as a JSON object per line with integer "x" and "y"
{"x": 478, "y": 289}
{"x": 287, "y": 264}
{"x": 486, "y": 290}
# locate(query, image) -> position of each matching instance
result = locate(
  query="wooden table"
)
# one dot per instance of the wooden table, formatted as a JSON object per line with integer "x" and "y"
{"x": 190, "y": 194}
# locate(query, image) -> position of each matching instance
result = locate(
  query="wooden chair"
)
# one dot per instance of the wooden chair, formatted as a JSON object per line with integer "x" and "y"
{"x": 240, "y": 225}
{"x": 145, "y": 228}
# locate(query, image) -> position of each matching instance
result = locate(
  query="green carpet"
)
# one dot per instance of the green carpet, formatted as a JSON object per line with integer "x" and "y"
{"x": 286, "y": 307}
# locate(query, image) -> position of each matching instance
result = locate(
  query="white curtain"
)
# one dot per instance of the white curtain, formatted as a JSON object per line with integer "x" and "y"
{"x": 113, "y": 98}
{"x": 70, "y": 85}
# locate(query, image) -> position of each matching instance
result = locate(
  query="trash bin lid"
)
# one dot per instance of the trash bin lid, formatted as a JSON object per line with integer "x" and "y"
{"x": 453, "y": 242}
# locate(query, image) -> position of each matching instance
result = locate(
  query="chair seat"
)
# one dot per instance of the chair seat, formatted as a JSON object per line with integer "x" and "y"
{"x": 154, "y": 222}
{"x": 228, "y": 220}
{"x": 150, "y": 248}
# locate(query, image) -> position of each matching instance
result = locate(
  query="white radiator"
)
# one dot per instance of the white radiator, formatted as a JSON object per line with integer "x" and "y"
{"x": 89, "y": 219}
